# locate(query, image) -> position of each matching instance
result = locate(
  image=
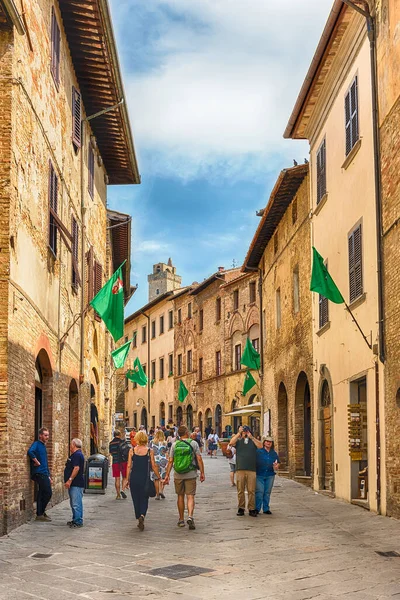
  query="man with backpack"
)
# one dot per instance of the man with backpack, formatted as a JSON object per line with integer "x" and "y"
{"x": 119, "y": 450}
{"x": 185, "y": 458}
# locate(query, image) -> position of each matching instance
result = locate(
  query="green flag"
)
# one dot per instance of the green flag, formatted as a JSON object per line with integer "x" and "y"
{"x": 182, "y": 392}
{"x": 250, "y": 357}
{"x": 119, "y": 355}
{"x": 137, "y": 375}
{"x": 249, "y": 382}
{"x": 109, "y": 304}
{"x": 322, "y": 282}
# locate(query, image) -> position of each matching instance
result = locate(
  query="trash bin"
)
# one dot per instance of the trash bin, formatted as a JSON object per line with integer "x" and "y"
{"x": 96, "y": 474}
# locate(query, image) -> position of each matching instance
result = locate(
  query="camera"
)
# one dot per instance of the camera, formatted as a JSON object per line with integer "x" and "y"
{"x": 246, "y": 428}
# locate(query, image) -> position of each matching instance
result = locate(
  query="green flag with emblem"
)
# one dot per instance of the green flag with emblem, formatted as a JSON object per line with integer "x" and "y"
{"x": 109, "y": 304}
{"x": 137, "y": 375}
{"x": 249, "y": 382}
{"x": 250, "y": 357}
{"x": 321, "y": 282}
{"x": 182, "y": 392}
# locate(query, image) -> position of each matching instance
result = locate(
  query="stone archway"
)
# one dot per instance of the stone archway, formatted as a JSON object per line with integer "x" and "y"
{"x": 218, "y": 420}
{"x": 43, "y": 394}
{"x": 302, "y": 426}
{"x": 283, "y": 428}
{"x": 236, "y": 421}
{"x": 200, "y": 421}
{"x": 326, "y": 471}
{"x": 162, "y": 414}
{"x": 189, "y": 417}
{"x": 179, "y": 415}
{"x": 73, "y": 421}
{"x": 143, "y": 418}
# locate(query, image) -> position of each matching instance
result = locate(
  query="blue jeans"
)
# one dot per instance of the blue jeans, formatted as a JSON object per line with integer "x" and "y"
{"x": 264, "y": 487}
{"x": 76, "y": 502}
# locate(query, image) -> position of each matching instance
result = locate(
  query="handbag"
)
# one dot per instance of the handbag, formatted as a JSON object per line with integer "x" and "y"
{"x": 149, "y": 487}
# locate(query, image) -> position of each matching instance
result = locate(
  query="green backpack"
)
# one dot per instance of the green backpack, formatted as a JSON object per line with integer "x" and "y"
{"x": 183, "y": 457}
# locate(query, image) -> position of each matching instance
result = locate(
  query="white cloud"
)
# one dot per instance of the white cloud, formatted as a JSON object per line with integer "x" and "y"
{"x": 151, "y": 247}
{"x": 225, "y": 81}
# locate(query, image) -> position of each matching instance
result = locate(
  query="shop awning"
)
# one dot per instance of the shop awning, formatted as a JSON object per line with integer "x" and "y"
{"x": 246, "y": 410}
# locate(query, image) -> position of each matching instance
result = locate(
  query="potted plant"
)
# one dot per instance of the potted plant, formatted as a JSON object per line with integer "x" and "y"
{"x": 223, "y": 444}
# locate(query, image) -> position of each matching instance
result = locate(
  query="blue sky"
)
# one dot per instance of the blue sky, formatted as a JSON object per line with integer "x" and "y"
{"x": 210, "y": 85}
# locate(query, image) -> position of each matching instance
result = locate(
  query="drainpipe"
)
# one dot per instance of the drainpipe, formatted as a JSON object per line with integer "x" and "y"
{"x": 365, "y": 11}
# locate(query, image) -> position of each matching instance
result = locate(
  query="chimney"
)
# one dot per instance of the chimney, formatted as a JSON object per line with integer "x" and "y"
{"x": 221, "y": 269}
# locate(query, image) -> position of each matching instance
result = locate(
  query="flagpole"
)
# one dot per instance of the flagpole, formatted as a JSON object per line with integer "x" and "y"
{"x": 359, "y": 328}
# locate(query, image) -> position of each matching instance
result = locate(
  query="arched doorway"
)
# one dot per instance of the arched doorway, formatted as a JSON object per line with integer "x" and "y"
{"x": 200, "y": 421}
{"x": 326, "y": 462}
{"x": 189, "y": 417}
{"x": 283, "y": 428}
{"x": 179, "y": 415}
{"x": 143, "y": 418}
{"x": 302, "y": 426}
{"x": 236, "y": 421}
{"x": 162, "y": 414}
{"x": 94, "y": 413}
{"x": 254, "y": 420}
{"x": 73, "y": 430}
{"x": 218, "y": 420}
{"x": 43, "y": 393}
{"x": 208, "y": 420}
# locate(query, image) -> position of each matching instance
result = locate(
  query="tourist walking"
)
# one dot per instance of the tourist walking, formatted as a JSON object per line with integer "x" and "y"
{"x": 213, "y": 440}
{"x": 185, "y": 458}
{"x": 246, "y": 465}
{"x": 74, "y": 481}
{"x": 159, "y": 447}
{"x": 267, "y": 465}
{"x": 231, "y": 456}
{"x": 140, "y": 462}
{"x": 119, "y": 450}
{"x": 40, "y": 473}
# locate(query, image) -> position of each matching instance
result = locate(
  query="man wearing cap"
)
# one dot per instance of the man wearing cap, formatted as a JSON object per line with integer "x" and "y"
{"x": 267, "y": 465}
{"x": 246, "y": 465}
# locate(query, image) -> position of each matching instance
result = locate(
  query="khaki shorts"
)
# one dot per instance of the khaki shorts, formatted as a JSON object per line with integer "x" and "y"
{"x": 185, "y": 486}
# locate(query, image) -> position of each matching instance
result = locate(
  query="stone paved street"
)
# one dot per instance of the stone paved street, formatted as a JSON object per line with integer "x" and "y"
{"x": 311, "y": 547}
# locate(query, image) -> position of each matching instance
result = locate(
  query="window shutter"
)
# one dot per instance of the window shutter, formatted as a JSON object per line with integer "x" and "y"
{"x": 323, "y": 311}
{"x": 321, "y": 172}
{"x": 355, "y": 264}
{"x": 98, "y": 273}
{"x": 53, "y": 207}
{"x": 351, "y": 115}
{"x": 90, "y": 274}
{"x": 55, "y": 48}
{"x": 76, "y": 280}
{"x": 91, "y": 171}
{"x": 76, "y": 117}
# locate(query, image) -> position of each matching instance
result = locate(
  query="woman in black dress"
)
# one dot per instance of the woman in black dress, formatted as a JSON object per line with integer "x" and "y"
{"x": 140, "y": 460}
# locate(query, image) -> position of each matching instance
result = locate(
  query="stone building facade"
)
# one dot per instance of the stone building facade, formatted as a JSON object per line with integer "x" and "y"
{"x": 334, "y": 112}
{"x": 152, "y": 328}
{"x": 280, "y": 251}
{"x": 213, "y": 320}
{"x": 388, "y": 71}
{"x": 54, "y": 172}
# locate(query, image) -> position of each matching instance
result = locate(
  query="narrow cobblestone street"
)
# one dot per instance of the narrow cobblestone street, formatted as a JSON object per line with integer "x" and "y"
{"x": 311, "y": 547}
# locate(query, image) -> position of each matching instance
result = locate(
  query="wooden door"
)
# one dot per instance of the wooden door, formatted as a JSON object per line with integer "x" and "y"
{"x": 327, "y": 466}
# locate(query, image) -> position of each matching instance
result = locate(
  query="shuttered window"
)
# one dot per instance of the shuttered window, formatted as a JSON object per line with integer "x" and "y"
{"x": 218, "y": 369}
{"x": 91, "y": 171}
{"x": 238, "y": 357}
{"x": 76, "y": 280}
{"x": 321, "y": 172}
{"x": 76, "y": 118}
{"x": 89, "y": 274}
{"x": 355, "y": 264}
{"x": 179, "y": 364}
{"x": 189, "y": 361}
{"x": 53, "y": 208}
{"x": 98, "y": 275}
{"x": 55, "y": 48}
{"x": 200, "y": 369}
{"x": 201, "y": 319}
{"x": 351, "y": 115}
{"x": 236, "y": 300}
{"x": 218, "y": 309}
{"x": 323, "y": 311}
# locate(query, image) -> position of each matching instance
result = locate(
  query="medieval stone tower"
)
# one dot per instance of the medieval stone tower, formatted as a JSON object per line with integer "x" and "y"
{"x": 163, "y": 279}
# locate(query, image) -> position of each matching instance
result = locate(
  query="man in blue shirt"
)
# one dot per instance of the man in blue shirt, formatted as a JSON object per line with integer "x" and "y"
{"x": 267, "y": 465}
{"x": 74, "y": 481}
{"x": 40, "y": 473}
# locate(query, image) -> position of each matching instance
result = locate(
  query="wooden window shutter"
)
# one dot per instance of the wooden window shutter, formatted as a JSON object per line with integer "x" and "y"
{"x": 323, "y": 311}
{"x": 76, "y": 117}
{"x": 98, "y": 274}
{"x": 89, "y": 274}
{"x": 351, "y": 116}
{"x": 55, "y": 48}
{"x": 321, "y": 172}
{"x": 91, "y": 171}
{"x": 355, "y": 264}
{"x": 76, "y": 280}
{"x": 53, "y": 207}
